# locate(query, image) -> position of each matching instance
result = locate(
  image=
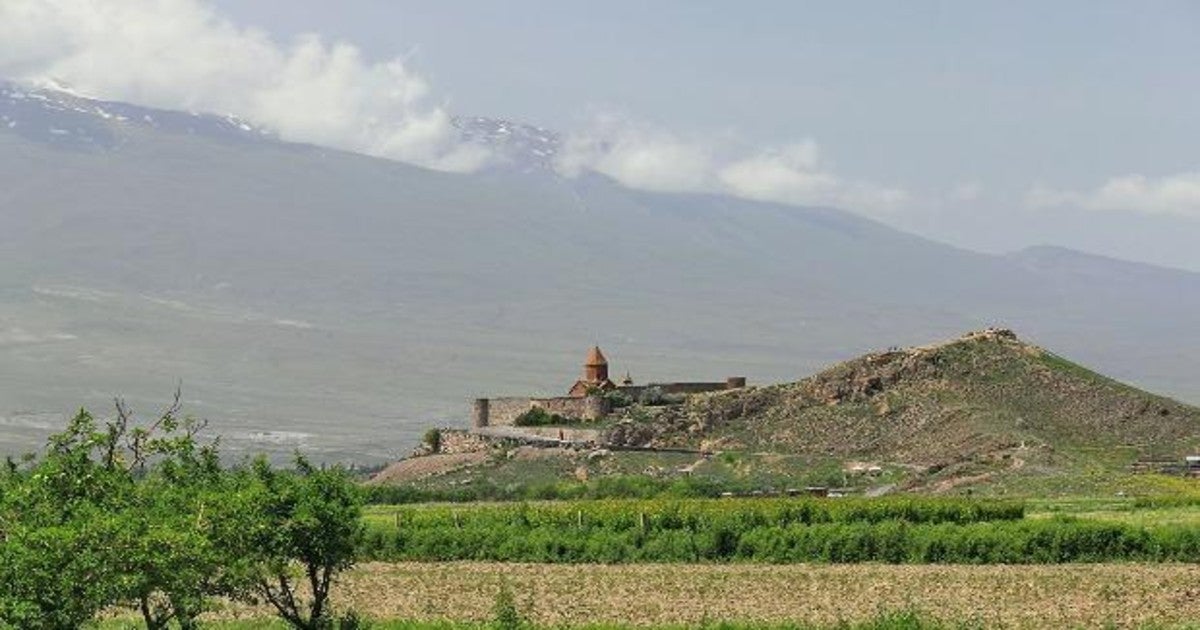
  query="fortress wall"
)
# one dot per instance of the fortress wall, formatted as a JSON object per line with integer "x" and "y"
{"x": 503, "y": 412}
{"x": 587, "y": 408}
{"x": 733, "y": 382}
{"x": 454, "y": 442}
{"x": 633, "y": 391}
{"x": 690, "y": 388}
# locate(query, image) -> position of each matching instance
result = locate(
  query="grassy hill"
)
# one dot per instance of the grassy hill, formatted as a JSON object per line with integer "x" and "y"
{"x": 978, "y": 408}
{"x": 986, "y": 412}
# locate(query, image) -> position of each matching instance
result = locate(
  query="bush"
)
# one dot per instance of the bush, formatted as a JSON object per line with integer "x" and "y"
{"x": 538, "y": 417}
{"x": 351, "y": 620}
{"x": 433, "y": 440}
{"x": 505, "y": 615}
{"x": 652, "y": 397}
{"x": 617, "y": 399}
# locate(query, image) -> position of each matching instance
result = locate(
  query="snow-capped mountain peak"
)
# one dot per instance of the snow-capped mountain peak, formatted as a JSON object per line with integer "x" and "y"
{"x": 53, "y": 113}
{"x": 517, "y": 146}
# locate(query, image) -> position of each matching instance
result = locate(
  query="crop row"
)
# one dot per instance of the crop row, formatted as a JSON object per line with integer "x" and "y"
{"x": 1167, "y": 501}
{"x": 698, "y": 515}
{"x": 1007, "y": 542}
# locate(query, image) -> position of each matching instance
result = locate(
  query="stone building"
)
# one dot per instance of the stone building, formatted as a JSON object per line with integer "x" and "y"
{"x": 584, "y": 400}
{"x": 595, "y": 375}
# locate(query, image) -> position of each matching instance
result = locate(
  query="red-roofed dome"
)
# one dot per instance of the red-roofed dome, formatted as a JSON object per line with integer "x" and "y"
{"x": 595, "y": 375}
{"x": 595, "y": 357}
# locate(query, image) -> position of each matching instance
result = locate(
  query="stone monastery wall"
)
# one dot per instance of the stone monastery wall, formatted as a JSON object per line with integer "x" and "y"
{"x": 498, "y": 412}
{"x": 505, "y": 411}
{"x": 636, "y": 391}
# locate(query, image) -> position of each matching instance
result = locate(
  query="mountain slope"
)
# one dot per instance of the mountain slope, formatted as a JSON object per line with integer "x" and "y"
{"x": 314, "y": 298}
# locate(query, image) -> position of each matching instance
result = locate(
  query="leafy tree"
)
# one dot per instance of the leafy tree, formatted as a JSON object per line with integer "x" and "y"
{"x": 140, "y": 514}
{"x": 305, "y": 527}
{"x": 56, "y": 577}
{"x": 178, "y": 552}
{"x": 56, "y": 523}
{"x": 126, "y": 513}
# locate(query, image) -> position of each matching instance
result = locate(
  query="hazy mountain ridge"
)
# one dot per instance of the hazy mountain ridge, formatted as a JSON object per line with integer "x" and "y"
{"x": 288, "y": 284}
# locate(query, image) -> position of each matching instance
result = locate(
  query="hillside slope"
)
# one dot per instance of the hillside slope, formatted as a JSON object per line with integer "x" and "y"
{"x": 985, "y": 401}
{"x": 315, "y": 299}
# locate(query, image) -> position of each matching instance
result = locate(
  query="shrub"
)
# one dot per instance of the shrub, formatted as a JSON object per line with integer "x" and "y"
{"x": 538, "y": 417}
{"x": 505, "y": 615}
{"x": 433, "y": 440}
{"x": 351, "y": 620}
{"x": 652, "y": 396}
{"x": 617, "y": 399}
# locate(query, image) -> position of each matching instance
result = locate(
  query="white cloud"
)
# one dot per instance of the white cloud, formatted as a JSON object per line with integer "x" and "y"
{"x": 791, "y": 173}
{"x": 1171, "y": 195}
{"x": 794, "y": 174}
{"x": 637, "y": 156}
{"x": 643, "y": 157}
{"x": 179, "y": 54}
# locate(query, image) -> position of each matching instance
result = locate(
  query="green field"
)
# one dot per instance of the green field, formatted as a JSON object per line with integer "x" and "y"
{"x": 902, "y": 530}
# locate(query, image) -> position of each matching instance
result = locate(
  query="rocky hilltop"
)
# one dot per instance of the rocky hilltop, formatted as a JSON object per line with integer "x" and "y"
{"x": 983, "y": 410}
{"x": 984, "y": 398}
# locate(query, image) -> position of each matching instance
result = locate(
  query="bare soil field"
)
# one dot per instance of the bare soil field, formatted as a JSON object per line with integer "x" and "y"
{"x": 1062, "y": 596}
{"x": 420, "y": 467}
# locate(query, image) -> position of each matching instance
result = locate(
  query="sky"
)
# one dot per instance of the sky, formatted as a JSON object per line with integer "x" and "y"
{"x": 989, "y": 125}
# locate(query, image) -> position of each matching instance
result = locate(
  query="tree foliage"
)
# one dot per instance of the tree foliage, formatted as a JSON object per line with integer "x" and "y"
{"x": 305, "y": 529}
{"x": 143, "y": 515}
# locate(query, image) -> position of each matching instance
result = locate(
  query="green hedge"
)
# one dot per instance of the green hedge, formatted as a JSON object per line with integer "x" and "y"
{"x": 893, "y": 530}
{"x": 694, "y": 514}
{"x": 612, "y": 487}
{"x": 1009, "y": 542}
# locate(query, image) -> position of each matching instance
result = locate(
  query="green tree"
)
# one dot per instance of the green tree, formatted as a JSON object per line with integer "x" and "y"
{"x": 178, "y": 551}
{"x": 124, "y": 514}
{"x": 305, "y": 527}
{"x": 140, "y": 514}
{"x": 57, "y": 518}
{"x": 56, "y": 577}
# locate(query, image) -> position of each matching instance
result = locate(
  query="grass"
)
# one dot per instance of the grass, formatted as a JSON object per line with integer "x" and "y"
{"x": 1061, "y": 364}
{"x": 1122, "y": 510}
{"x": 570, "y": 475}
